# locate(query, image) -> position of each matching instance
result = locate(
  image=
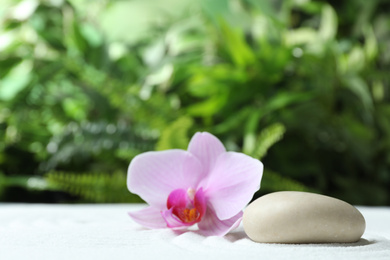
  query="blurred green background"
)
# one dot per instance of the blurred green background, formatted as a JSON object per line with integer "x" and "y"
{"x": 85, "y": 85}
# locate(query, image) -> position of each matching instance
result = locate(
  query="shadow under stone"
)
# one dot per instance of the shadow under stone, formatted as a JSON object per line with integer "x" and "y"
{"x": 233, "y": 237}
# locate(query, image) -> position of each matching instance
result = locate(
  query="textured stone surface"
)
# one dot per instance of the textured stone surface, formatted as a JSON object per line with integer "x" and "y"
{"x": 301, "y": 217}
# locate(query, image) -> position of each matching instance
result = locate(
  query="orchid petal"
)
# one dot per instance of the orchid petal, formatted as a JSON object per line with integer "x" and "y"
{"x": 177, "y": 198}
{"x": 200, "y": 202}
{"x": 212, "y": 226}
{"x": 206, "y": 148}
{"x": 172, "y": 221}
{"x": 232, "y": 183}
{"x": 153, "y": 175}
{"x": 149, "y": 217}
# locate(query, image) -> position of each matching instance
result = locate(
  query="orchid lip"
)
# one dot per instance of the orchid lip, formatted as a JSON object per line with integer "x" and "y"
{"x": 186, "y": 207}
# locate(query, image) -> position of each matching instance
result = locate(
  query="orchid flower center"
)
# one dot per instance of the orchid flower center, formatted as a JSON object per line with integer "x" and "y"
{"x": 187, "y": 215}
{"x": 188, "y": 206}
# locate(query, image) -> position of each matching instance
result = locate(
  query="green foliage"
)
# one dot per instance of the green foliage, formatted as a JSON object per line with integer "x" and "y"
{"x": 175, "y": 135}
{"x": 92, "y": 187}
{"x": 2, "y": 184}
{"x": 30, "y": 183}
{"x": 266, "y": 139}
{"x": 275, "y": 182}
{"x": 302, "y": 85}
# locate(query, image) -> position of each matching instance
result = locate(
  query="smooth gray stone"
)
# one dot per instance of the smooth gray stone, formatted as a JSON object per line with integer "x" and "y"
{"x": 302, "y": 217}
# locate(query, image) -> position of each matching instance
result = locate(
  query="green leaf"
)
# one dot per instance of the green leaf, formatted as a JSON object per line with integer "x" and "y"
{"x": 265, "y": 7}
{"x": 359, "y": 87}
{"x": 175, "y": 136}
{"x": 27, "y": 182}
{"x": 273, "y": 181}
{"x": 202, "y": 87}
{"x": 7, "y": 64}
{"x": 2, "y": 184}
{"x": 286, "y": 98}
{"x": 279, "y": 101}
{"x": 328, "y": 27}
{"x": 208, "y": 107}
{"x": 240, "y": 52}
{"x": 233, "y": 121}
{"x": 356, "y": 59}
{"x": 91, "y": 35}
{"x": 94, "y": 187}
{"x": 75, "y": 108}
{"x": 15, "y": 81}
{"x": 215, "y": 9}
{"x": 267, "y": 138}
{"x": 250, "y": 131}
{"x": 371, "y": 44}
{"x": 300, "y": 36}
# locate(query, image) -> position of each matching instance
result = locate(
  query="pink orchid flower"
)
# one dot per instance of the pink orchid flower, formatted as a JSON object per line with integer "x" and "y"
{"x": 205, "y": 185}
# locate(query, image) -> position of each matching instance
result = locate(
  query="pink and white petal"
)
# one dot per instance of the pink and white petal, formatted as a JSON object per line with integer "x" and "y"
{"x": 212, "y": 226}
{"x": 154, "y": 175}
{"x": 149, "y": 217}
{"x": 172, "y": 221}
{"x": 200, "y": 202}
{"x": 232, "y": 183}
{"x": 206, "y": 147}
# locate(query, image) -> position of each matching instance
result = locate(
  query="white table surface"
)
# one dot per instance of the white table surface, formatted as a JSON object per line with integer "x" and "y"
{"x": 40, "y": 231}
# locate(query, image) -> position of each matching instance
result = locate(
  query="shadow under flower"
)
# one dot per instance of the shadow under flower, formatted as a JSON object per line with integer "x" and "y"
{"x": 235, "y": 236}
